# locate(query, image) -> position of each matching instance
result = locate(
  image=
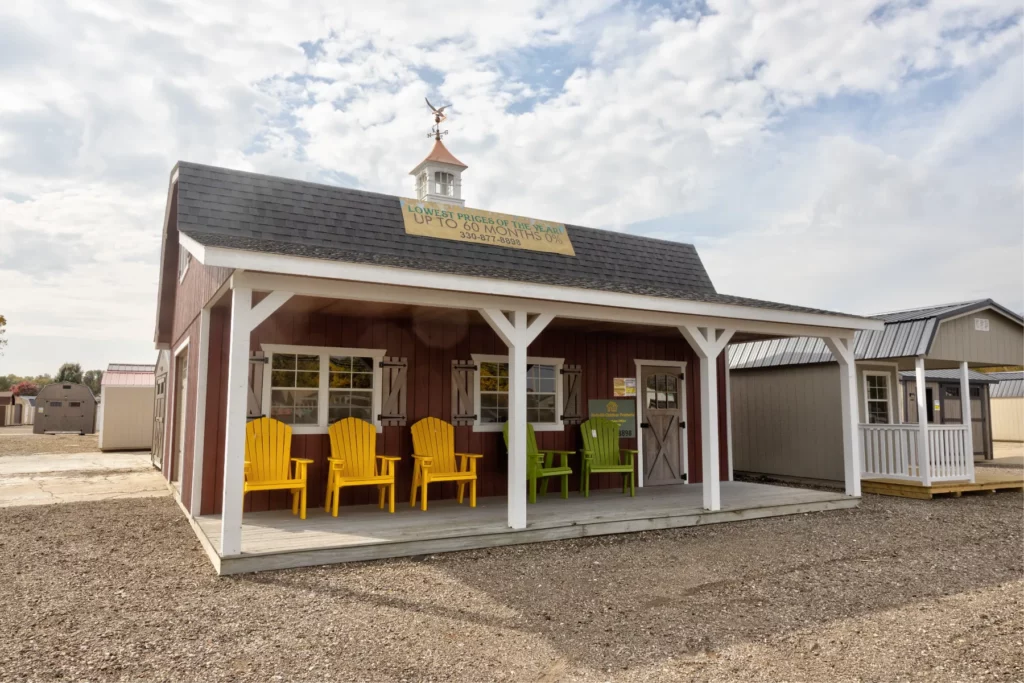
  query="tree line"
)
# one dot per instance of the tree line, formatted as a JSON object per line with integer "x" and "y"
{"x": 68, "y": 372}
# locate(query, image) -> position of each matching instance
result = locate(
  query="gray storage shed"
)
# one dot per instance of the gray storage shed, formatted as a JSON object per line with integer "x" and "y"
{"x": 65, "y": 407}
{"x": 784, "y": 395}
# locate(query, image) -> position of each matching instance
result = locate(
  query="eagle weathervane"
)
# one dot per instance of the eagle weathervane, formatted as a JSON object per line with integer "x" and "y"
{"x": 439, "y": 116}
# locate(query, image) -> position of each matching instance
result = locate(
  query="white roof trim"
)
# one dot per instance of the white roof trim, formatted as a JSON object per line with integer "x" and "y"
{"x": 383, "y": 275}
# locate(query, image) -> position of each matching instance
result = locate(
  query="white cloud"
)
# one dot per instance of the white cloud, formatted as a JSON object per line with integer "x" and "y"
{"x": 807, "y": 147}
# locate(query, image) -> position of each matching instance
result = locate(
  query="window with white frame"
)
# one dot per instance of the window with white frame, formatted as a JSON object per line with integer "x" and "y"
{"x": 313, "y": 387}
{"x": 421, "y": 185}
{"x": 543, "y": 392}
{"x": 876, "y": 398}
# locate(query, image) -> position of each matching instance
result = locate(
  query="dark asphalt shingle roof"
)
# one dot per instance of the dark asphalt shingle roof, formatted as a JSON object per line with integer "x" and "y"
{"x": 219, "y": 207}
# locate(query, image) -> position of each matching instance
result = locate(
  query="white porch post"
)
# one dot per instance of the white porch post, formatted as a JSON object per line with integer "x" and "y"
{"x": 198, "y": 442}
{"x": 244, "y": 318}
{"x": 708, "y": 343}
{"x": 517, "y": 332}
{"x": 965, "y": 410}
{"x": 234, "y": 430}
{"x": 842, "y": 351}
{"x": 923, "y": 455}
{"x": 728, "y": 412}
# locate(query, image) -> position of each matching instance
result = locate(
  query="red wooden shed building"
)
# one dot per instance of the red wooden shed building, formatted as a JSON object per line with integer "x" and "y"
{"x": 310, "y": 303}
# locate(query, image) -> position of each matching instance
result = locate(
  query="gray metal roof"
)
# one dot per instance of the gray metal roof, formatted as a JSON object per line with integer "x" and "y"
{"x": 130, "y": 367}
{"x": 220, "y": 207}
{"x": 1011, "y": 384}
{"x": 906, "y": 333}
{"x": 950, "y": 375}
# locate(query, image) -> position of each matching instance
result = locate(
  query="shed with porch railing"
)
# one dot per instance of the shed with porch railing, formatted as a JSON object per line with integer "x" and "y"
{"x": 782, "y": 393}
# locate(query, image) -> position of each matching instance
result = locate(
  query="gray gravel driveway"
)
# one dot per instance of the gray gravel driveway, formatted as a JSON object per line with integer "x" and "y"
{"x": 898, "y": 590}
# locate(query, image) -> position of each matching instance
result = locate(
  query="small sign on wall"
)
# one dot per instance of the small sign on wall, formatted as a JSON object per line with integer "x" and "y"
{"x": 981, "y": 324}
{"x": 624, "y": 386}
{"x": 621, "y": 411}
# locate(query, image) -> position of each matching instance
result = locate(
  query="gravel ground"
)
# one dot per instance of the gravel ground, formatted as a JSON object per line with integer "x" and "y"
{"x": 33, "y": 444}
{"x": 898, "y": 590}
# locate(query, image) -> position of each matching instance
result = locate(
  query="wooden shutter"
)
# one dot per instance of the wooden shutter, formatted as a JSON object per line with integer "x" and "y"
{"x": 572, "y": 402}
{"x": 463, "y": 393}
{"x": 257, "y": 364}
{"x": 394, "y": 373}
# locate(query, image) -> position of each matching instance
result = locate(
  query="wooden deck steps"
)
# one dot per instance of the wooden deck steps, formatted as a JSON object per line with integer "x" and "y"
{"x": 986, "y": 481}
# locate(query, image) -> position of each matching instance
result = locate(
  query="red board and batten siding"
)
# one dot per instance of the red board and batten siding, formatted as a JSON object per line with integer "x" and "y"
{"x": 430, "y": 347}
{"x": 192, "y": 293}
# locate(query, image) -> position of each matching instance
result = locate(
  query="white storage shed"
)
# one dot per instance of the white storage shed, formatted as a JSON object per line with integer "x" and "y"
{"x": 126, "y": 412}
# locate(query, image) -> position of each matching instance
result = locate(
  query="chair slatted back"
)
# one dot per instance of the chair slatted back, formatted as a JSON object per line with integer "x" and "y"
{"x": 354, "y": 442}
{"x": 268, "y": 448}
{"x": 601, "y": 439}
{"x": 531, "y": 444}
{"x": 436, "y": 438}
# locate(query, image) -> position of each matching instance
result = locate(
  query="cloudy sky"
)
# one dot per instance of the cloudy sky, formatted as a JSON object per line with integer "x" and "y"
{"x": 859, "y": 155}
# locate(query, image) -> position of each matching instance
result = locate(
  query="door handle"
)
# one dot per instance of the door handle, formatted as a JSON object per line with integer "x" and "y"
{"x": 644, "y": 425}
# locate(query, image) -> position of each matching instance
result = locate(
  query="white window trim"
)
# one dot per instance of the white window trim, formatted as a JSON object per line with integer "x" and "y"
{"x": 324, "y": 352}
{"x": 888, "y": 392}
{"x": 556, "y": 426}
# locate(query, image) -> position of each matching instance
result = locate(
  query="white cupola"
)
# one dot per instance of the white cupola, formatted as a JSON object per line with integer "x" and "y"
{"x": 439, "y": 177}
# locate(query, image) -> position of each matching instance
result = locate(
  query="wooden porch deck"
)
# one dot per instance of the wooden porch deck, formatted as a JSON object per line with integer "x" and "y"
{"x": 279, "y": 540}
{"x": 985, "y": 480}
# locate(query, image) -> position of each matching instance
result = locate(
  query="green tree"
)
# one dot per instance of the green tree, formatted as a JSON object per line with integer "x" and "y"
{"x": 93, "y": 379}
{"x": 3, "y": 334}
{"x": 69, "y": 372}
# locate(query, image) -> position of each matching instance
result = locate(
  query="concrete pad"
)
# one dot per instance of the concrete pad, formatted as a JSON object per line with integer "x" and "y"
{"x": 42, "y": 489}
{"x": 48, "y": 478}
{"x": 97, "y": 461}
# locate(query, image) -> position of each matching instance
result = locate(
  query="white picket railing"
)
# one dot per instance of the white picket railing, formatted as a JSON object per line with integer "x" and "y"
{"x": 947, "y": 450}
{"x": 890, "y": 451}
{"x": 893, "y": 452}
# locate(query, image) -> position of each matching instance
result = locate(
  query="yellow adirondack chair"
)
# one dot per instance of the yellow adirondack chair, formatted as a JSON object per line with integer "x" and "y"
{"x": 354, "y": 462}
{"x": 268, "y": 450}
{"x": 433, "y": 444}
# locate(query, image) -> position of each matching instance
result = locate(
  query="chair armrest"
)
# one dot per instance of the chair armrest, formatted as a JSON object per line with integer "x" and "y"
{"x": 469, "y": 455}
{"x": 304, "y": 461}
{"x": 388, "y": 457}
{"x": 424, "y": 461}
{"x": 468, "y": 459}
{"x": 631, "y": 453}
{"x": 300, "y": 467}
{"x": 336, "y": 463}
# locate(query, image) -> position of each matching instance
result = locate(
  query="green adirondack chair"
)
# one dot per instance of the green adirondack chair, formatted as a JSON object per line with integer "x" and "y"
{"x": 541, "y": 464}
{"x": 602, "y": 455}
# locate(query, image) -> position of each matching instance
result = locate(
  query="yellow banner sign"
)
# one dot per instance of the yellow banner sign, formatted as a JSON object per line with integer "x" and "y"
{"x": 449, "y": 222}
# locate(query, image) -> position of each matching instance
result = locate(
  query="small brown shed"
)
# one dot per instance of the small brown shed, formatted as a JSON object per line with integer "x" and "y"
{"x": 65, "y": 407}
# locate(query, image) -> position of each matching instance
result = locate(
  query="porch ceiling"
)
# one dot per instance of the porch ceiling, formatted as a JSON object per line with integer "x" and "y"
{"x": 456, "y": 316}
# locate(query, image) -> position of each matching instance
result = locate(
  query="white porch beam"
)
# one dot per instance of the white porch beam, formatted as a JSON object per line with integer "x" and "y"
{"x": 577, "y": 304}
{"x": 198, "y": 442}
{"x": 265, "y": 308}
{"x": 234, "y": 432}
{"x": 842, "y": 350}
{"x": 500, "y": 324}
{"x": 965, "y": 411}
{"x": 709, "y": 342}
{"x": 517, "y": 332}
{"x": 923, "y": 454}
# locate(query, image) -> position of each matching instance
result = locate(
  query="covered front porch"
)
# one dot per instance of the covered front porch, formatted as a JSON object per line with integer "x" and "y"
{"x": 278, "y": 540}
{"x": 428, "y": 332}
